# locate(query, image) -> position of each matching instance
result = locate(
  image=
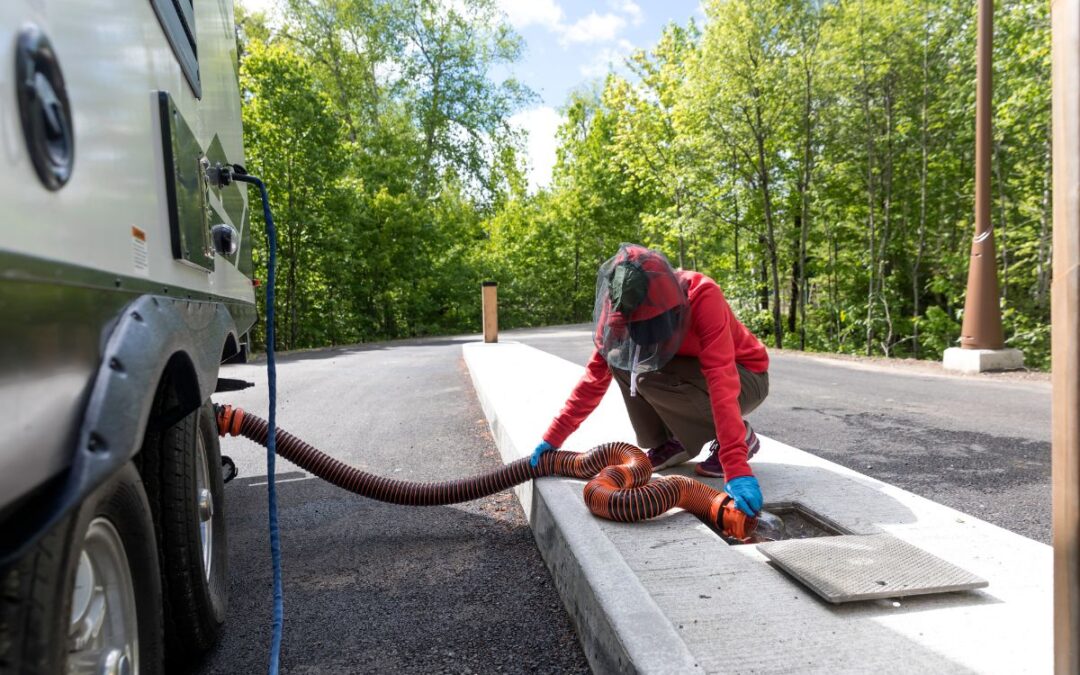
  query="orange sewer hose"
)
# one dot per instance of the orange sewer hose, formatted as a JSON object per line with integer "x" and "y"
{"x": 621, "y": 486}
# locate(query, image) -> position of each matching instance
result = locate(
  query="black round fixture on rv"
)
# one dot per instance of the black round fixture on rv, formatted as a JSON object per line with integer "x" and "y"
{"x": 225, "y": 239}
{"x": 44, "y": 108}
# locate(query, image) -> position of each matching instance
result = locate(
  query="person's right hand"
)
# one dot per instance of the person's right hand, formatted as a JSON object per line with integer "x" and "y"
{"x": 747, "y": 494}
{"x": 540, "y": 449}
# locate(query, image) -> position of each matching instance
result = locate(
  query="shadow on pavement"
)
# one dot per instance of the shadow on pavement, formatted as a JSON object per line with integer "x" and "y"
{"x": 426, "y": 589}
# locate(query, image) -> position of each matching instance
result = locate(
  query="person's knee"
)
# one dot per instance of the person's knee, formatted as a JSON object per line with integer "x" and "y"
{"x": 755, "y": 389}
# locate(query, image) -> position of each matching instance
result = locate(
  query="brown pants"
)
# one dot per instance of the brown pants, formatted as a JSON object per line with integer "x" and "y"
{"x": 674, "y": 401}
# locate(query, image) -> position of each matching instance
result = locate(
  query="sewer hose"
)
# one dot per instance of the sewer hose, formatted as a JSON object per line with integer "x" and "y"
{"x": 620, "y": 486}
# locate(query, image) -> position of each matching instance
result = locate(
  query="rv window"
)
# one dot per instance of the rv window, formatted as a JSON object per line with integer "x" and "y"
{"x": 177, "y": 18}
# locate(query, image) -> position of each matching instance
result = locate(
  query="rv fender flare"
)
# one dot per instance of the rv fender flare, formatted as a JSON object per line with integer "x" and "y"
{"x": 145, "y": 337}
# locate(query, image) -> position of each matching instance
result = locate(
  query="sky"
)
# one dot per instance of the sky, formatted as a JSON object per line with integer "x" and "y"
{"x": 570, "y": 44}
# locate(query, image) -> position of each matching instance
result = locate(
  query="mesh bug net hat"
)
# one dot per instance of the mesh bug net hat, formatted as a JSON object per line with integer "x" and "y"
{"x": 641, "y": 313}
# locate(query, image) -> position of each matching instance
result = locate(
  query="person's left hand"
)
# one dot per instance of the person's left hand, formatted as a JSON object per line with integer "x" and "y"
{"x": 540, "y": 449}
{"x": 747, "y": 494}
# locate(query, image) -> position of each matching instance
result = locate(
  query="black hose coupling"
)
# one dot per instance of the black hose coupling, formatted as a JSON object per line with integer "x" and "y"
{"x": 219, "y": 175}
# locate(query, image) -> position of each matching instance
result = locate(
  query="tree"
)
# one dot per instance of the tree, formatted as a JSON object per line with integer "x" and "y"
{"x": 294, "y": 140}
{"x": 740, "y": 89}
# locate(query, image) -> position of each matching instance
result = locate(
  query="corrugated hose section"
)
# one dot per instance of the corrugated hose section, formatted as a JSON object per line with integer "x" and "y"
{"x": 620, "y": 484}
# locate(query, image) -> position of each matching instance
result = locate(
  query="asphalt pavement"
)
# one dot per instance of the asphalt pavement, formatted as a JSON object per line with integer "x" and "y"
{"x": 980, "y": 444}
{"x": 372, "y": 587}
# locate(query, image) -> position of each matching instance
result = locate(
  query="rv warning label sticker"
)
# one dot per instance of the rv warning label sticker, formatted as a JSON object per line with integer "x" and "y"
{"x": 140, "y": 255}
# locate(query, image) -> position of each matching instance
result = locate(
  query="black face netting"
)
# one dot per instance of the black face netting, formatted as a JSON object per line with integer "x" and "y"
{"x": 641, "y": 313}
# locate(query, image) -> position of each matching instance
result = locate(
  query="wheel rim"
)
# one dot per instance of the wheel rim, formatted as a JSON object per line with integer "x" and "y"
{"x": 205, "y": 500}
{"x": 103, "y": 635}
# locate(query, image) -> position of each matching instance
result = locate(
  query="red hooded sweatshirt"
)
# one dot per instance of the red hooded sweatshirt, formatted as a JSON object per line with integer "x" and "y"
{"x": 719, "y": 341}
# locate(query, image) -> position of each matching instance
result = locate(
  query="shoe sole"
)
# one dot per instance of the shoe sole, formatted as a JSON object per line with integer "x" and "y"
{"x": 705, "y": 472}
{"x": 680, "y": 458}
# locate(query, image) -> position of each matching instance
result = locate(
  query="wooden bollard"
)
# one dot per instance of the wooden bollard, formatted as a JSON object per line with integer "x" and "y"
{"x": 490, "y": 301}
{"x": 1065, "y": 318}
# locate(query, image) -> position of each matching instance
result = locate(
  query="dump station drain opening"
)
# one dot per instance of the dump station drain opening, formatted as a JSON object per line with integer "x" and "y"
{"x": 799, "y": 522}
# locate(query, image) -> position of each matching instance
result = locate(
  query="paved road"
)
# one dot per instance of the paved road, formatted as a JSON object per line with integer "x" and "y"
{"x": 981, "y": 445}
{"x": 375, "y": 588}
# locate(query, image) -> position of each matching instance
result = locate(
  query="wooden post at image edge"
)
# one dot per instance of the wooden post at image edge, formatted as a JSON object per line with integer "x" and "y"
{"x": 490, "y": 299}
{"x": 1065, "y": 332}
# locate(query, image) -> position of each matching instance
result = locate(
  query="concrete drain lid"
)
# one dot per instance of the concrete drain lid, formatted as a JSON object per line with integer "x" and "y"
{"x": 864, "y": 567}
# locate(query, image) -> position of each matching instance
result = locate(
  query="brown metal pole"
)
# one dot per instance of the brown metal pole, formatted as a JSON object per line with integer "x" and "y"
{"x": 982, "y": 307}
{"x": 1065, "y": 327}
{"x": 490, "y": 301}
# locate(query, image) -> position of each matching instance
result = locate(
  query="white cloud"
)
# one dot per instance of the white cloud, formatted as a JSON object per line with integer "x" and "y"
{"x": 607, "y": 60}
{"x": 593, "y": 28}
{"x": 631, "y": 9}
{"x": 522, "y": 13}
{"x": 258, "y": 5}
{"x": 541, "y": 124}
{"x": 271, "y": 9}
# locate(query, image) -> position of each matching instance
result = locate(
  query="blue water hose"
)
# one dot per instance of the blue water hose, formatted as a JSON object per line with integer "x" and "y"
{"x": 271, "y": 445}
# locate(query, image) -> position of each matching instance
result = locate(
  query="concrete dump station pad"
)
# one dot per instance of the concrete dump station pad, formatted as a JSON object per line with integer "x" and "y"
{"x": 670, "y": 596}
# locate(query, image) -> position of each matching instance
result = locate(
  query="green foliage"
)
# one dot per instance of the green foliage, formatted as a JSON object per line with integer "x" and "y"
{"x": 816, "y": 158}
{"x": 937, "y": 332}
{"x": 385, "y": 145}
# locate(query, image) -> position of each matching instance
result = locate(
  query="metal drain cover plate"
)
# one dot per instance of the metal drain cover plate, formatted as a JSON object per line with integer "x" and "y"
{"x": 867, "y": 566}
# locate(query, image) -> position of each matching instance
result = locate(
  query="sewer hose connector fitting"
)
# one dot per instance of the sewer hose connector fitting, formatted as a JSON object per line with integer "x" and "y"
{"x": 620, "y": 483}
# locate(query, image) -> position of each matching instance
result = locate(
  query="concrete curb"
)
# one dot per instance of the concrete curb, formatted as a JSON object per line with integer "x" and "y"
{"x": 668, "y": 595}
{"x": 620, "y": 626}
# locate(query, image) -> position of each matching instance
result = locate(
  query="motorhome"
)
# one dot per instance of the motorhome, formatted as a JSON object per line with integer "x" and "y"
{"x": 125, "y": 281}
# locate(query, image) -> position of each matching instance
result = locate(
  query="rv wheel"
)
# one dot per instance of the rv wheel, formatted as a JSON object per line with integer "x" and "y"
{"x": 87, "y": 597}
{"x": 189, "y": 497}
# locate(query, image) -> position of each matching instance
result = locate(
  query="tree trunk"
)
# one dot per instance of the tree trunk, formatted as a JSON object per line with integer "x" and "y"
{"x": 292, "y": 287}
{"x": 332, "y": 311}
{"x": 738, "y": 268}
{"x": 430, "y": 131}
{"x": 886, "y": 220}
{"x": 577, "y": 263}
{"x": 734, "y": 172}
{"x": 770, "y": 233}
{"x": 923, "y": 126}
{"x": 682, "y": 240}
{"x": 738, "y": 265}
{"x": 804, "y": 196}
{"x": 1003, "y": 222}
{"x": 870, "y": 198}
{"x": 804, "y": 230}
{"x": 1042, "y": 264}
{"x": 793, "y": 300}
{"x": 871, "y": 248}
{"x": 763, "y": 283}
{"x": 834, "y": 288}
{"x": 290, "y": 233}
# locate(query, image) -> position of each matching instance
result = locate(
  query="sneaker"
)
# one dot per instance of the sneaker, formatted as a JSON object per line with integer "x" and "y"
{"x": 711, "y": 466}
{"x": 753, "y": 443}
{"x": 670, "y": 453}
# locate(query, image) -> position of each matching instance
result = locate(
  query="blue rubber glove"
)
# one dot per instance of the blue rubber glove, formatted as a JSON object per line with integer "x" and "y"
{"x": 540, "y": 449}
{"x": 747, "y": 494}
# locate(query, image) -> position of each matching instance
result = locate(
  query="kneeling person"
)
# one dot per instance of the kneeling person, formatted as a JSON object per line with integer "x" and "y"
{"x": 687, "y": 368}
